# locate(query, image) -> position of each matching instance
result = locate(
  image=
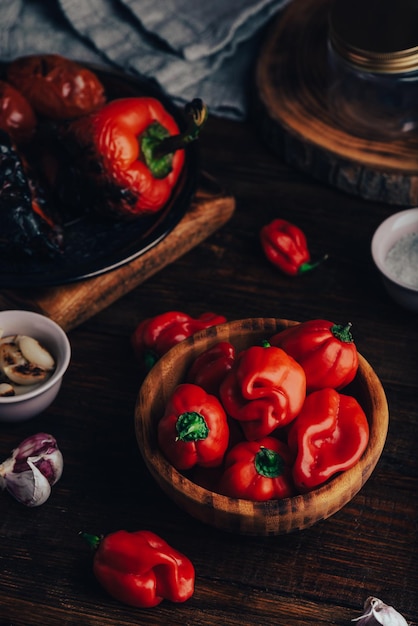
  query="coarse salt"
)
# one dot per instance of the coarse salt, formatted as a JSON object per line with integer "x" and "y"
{"x": 402, "y": 260}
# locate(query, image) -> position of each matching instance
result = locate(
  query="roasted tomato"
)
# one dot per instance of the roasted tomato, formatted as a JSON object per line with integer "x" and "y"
{"x": 56, "y": 87}
{"x": 16, "y": 114}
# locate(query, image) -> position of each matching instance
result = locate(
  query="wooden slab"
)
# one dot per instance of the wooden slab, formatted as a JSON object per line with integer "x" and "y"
{"x": 70, "y": 305}
{"x": 295, "y": 120}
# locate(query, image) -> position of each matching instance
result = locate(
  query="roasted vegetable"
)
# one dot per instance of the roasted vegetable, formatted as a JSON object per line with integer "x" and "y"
{"x": 26, "y": 227}
{"x": 16, "y": 114}
{"x": 56, "y": 87}
{"x": 130, "y": 154}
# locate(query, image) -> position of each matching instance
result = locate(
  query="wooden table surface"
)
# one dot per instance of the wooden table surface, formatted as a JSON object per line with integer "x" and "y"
{"x": 319, "y": 576}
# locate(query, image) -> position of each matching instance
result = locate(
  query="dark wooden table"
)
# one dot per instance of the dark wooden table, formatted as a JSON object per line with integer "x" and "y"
{"x": 317, "y": 576}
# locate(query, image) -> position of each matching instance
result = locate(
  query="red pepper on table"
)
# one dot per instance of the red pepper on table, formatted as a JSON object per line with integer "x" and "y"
{"x": 132, "y": 153}
{"x": 258, "y": 470}
{"x": 329, "y": 436}
{"x": 285, "y": 246}
{"x": 211, "y": 366}
{"x": 265, "y": 389}
{"x": 194, "y": 429}
{"x": 325, "y": 350}
{"x": 154, "y": 336}
{"x": 141, "y": 569}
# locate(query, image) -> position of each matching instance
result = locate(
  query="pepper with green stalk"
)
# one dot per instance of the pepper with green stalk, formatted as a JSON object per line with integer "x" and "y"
{"x": 130, "y": 153}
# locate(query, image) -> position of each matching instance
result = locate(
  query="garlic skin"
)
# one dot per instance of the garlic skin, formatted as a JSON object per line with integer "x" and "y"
{"x": 34, "y": 466}
{"x": 377, "y": 612}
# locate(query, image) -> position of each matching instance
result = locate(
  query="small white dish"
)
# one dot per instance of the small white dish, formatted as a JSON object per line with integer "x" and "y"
{"x": 400, "y": 278}
{"x": 50, "y": 335}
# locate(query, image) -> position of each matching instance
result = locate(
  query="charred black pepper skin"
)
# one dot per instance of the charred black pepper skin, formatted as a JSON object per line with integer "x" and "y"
{"x": 23, "y": 231}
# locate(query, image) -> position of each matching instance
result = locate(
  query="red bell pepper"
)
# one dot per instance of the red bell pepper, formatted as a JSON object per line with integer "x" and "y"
{"x": 325, "y": 350}
{"x": 285, "y": 246}
{"x": 154, "y": 336}
{"x": 194, "y": 429}
{"x": 141, "y": 569}
{"x": 211, "y": 366}
{"x": 265, "y": 389}
{"x": 258, "y": 470}
{"x": 132, "y": 153}
{"x": 329, "y": 436}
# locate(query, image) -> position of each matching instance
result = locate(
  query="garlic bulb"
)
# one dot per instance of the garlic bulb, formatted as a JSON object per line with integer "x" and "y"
{"x": 377, "y": 612}
{"x": 34, "y": 466}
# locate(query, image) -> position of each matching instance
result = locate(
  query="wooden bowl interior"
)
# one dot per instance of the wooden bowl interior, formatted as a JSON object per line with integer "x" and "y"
{"x": 237, "y": 515}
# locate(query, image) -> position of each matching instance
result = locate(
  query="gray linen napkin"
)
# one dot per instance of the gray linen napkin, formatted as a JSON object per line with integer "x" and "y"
{"x": 191, "y": 48}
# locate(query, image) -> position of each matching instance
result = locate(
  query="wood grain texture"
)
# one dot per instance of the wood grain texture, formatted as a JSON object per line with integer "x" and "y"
{"x": 295, "y": 119}
{"x": 71, "y": 305}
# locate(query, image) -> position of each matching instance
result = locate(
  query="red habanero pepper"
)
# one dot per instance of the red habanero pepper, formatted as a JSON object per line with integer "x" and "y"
{"x": 141, "y": 569}
{"x": 211, "y": 366}
{"x": 131, "y": 153}
{"x": 264, "y": 390}
{"x": 329, "y": 436}
{"x": 285, "y": 245}
{"x": 258, "y": 470}
{"x": 325, "y": 350}
{"x": 194, "y": 429}
{"x": 154, "y": 336}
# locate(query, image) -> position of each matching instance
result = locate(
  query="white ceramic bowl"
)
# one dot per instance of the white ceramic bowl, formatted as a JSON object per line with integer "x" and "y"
{"x": 401, "y": 288}
{"x": 49, "y": 334}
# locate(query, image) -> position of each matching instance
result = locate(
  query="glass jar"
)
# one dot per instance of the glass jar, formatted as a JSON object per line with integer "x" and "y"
{"x": 373, "y": 66}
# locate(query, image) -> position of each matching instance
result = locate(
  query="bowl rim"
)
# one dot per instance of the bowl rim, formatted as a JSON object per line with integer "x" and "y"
{"x": 59, "y": 337}
{"x": 398, "y": 220}
{"x": 350, "y": 481}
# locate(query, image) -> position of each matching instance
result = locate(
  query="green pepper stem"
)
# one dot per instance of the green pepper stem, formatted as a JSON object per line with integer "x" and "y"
{"x": 92, "y": 540}
{"x": 268, "y": 463}
{"x": 310, "y": 265}
{"x": 343, "y": 333}
{"x": 191, "y": 426}
{"x": 197, "y": 114}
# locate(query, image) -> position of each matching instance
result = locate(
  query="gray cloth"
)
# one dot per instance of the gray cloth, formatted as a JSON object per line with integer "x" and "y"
{"x": 191, "y": 48}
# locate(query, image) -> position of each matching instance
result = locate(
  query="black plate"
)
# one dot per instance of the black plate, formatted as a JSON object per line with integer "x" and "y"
{"x": 94, "y": 246}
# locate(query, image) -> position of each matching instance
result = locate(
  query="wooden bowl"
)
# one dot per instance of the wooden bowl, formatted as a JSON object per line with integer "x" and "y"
{"x": 243, "y": 516}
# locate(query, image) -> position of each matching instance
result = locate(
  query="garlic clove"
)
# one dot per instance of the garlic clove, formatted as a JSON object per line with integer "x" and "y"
{"x": 34, "y": 466}
{"x": 377, "y": 612}
{"x": 16, "y": 368}
{"x": 30, "y": 488}
{"x": 6, "y": 390}
{"x": 34, "y": 352}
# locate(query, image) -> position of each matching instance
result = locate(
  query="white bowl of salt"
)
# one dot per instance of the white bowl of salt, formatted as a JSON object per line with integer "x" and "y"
{"x": 395, "y": 253}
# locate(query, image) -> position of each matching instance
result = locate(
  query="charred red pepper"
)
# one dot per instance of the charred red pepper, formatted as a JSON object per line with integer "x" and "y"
{"x": 329, "y": 436}
{"x": 154, "y": 336}
{"x": 16, "y": 114}
{"x": 56, "y": 87}
{"x": 325, "y": 350}
{"x": 141, "y": 569}
{"x": 194, "y": 429}
{"x": 285, "y": 246}
{"x": 265, "y": 389}
{"x": 211, "y": 366}
{"x": 258, "y": 470}
{"x": 131, "y": 152}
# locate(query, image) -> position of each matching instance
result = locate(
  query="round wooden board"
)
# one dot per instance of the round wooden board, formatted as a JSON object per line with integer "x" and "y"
{"x": 295, "y": 120}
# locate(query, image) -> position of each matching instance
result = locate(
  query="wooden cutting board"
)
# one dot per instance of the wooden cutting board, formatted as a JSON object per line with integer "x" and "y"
{"x": 70, "y": 305}
{"x": 292, "y": 111}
